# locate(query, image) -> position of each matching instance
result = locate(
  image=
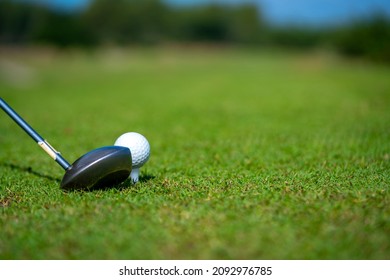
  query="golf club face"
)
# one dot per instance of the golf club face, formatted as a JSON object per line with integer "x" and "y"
{"x": 100, "y": 168}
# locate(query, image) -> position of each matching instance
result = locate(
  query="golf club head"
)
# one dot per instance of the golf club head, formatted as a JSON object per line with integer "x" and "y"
{"x": 100, "y": 168}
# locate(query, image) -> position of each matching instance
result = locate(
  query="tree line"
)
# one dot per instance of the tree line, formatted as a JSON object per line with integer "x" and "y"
{"x": 149, "y": 22}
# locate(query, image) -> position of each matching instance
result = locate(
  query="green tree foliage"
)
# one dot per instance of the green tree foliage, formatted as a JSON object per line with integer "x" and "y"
{"x": 216, "y": 23}
{"x": 22, "y": 23}
{"x": 295, "y": 37}
{"x": 19, "y": 23}
{"x": 367, "y": 38}
{"x": 127, "y": 22}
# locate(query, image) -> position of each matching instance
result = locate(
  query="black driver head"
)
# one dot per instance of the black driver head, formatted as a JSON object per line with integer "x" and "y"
{"x": 100, "y": 168}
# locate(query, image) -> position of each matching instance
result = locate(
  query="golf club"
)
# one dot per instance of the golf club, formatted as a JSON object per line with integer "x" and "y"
{"x": 99, "y": 168}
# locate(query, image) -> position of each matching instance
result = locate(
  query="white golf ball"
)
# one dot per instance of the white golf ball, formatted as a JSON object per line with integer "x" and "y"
{"x": 139, "y": 148}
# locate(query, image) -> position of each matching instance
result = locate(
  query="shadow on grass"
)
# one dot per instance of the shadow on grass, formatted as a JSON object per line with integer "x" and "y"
{"x": 128, "y": 183}
{"x": 125, "y": 185}
{"x": 146, "y": 177}
{"x": 118, "y": 187}
{"x": 30, "y": 171}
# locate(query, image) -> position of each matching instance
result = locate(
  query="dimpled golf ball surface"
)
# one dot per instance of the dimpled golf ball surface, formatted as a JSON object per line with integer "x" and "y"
{"x": 138, "y": 145}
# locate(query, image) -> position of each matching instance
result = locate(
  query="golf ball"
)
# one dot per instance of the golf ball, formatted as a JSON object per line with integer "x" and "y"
{"x": 138, "y": 145}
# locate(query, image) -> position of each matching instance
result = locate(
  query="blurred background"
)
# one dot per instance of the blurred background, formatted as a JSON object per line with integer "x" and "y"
{"x": 355, "y": 28}
{"x": 268, "y": 121}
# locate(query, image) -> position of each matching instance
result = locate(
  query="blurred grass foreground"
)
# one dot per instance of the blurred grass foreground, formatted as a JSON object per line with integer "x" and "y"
{"x": 257, "y": 153}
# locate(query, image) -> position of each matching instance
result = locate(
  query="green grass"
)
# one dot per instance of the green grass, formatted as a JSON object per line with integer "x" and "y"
{"x": 255, "y": 155}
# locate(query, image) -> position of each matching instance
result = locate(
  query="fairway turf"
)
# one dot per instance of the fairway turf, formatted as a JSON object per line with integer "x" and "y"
{"x": 254, "y": 155}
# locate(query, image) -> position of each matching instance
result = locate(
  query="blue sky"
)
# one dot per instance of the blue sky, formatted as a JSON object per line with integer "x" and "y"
{"x": 321, "y": 11}
{"x": 314, "y": 12}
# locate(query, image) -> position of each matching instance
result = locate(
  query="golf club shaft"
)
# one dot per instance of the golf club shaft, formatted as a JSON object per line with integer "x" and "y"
{"x": 34, "y": 135}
